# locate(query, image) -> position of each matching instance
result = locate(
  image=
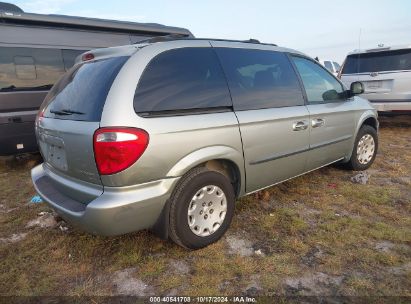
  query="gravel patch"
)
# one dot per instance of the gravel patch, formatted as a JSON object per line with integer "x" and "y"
{"x": 361, "y": 178}
{"x": 239, "y": 246}
{"x": 384, "y": 246}
{"x": 400, "y": 270}
{"x": 319, "y": 284}
{"x": 313, "y": 257}
{"x": 45, "y": 220}
{"x": 402, "y": 180}
{"x": 14, "y": 238}
{"x": 254, "y": 287}
{"x": 127, "y": 285}
{"x": 180, "y": 267}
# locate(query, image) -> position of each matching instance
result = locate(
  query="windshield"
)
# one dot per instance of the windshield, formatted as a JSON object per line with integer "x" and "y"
{"x": 377, "y": 62}
{"x": 81, "y": 93}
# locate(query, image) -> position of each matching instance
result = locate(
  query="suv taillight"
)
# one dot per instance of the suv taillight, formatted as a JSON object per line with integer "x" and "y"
{"x": 116, "y": 149}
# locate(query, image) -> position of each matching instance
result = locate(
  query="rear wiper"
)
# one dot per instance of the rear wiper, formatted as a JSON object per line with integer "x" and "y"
{"x": 59, "y": 112}
{"x": 72, "y": 112}
{"x": 66, "y": 112}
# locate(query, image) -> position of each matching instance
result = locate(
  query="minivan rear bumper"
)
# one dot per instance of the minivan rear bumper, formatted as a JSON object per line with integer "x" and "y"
{"x": 118, "y": 210}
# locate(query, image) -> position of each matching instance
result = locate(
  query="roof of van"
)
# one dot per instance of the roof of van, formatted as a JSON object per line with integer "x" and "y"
{"x": 381, "y": 49}
{"x": 252, "y": 41}
{"x": 127, "y": 50}
{"x": 11, "y": 14}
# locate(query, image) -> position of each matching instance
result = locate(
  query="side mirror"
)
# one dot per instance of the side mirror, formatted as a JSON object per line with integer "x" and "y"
{"x": 356, "y": 88}
{"x": 330, "y": 95}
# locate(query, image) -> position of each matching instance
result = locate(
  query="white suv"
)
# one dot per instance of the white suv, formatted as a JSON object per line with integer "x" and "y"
{"x": 385, "y": 73}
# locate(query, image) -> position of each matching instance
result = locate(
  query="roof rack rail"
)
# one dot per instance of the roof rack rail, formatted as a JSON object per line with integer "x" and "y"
{"x": 162, "y": 38}
{"x": 172, "y": 37}
{"x": 252, "y": 40}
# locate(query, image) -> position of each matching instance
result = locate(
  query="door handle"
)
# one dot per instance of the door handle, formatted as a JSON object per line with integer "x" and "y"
{"x": 316, "y": 123}
{"x": 300, "y": 125}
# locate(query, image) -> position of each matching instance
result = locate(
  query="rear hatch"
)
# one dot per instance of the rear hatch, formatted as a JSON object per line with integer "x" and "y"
{"x": 69, "y": 116}
{"x": 385, "y": 74}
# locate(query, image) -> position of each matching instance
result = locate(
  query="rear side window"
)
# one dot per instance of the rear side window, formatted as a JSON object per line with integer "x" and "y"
{"x": 81, "y": 93}
{"x": 320, "y": 86}
{"x": 377, "y": 62}
{"x": 23, "y": 69}
{"x": 260, "y": 79}
{"x": 182, "y": 79}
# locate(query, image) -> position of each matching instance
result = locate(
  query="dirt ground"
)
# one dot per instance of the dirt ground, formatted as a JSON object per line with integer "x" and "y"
{"x": 320, "y": 234}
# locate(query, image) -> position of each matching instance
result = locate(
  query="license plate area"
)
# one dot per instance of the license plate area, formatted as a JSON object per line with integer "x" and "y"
{"x": 378, "y": 86}
{"x": 53, "y": 150}
{"x": 374, "y": 84}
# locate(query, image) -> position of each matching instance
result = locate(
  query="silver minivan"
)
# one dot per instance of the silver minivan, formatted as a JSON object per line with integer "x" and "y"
{"x": 167, "y": 134}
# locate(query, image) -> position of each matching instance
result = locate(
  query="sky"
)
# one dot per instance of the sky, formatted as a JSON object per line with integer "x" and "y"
{"x": 327, "y": 29}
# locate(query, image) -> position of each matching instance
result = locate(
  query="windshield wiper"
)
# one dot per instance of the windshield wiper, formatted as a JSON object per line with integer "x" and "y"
{"x": 66, "y": 112}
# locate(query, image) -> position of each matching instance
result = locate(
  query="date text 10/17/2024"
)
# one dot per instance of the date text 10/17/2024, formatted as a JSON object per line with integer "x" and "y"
{"x": 176, "y": 299}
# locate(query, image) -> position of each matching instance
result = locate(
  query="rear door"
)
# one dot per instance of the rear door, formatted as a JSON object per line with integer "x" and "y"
{"x": 270, "y": 109}
{"x": 70, "y": 114}
{"x": 386, "y": 75}
{"x": 332, "y": 117}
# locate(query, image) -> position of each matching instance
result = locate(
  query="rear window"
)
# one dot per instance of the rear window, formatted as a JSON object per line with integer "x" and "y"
{"x": 81, "y": 93}
{"x": 183, "y": 80}
{"x": 260, "y": 79}
{"x": 378, "y": 62}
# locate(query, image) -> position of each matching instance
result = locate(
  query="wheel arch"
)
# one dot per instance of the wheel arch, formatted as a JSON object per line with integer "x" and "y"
{"x": 223, "y": 159}
{"x": 367, "y": 118}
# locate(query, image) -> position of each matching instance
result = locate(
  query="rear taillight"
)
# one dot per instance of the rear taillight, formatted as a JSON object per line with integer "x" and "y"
{"x": 40, "y": 115}
{"x": 116, "y": 149}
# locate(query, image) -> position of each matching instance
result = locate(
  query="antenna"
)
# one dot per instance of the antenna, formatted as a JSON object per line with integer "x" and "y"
{"x": 359, "y": 52}
{"x": 359, "y": 39}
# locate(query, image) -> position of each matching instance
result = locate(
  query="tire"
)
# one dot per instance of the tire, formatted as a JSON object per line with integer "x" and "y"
{"x": 192, "y": 184}
{"x": 354, "y": 163}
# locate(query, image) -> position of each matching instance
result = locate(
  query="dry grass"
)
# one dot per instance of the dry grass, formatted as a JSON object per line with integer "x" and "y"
{"x": 317, "y": 223}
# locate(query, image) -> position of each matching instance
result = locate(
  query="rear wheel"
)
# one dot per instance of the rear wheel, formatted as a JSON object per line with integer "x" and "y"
{"x": 201, "y": 208}
{"x": 365, "y": 149}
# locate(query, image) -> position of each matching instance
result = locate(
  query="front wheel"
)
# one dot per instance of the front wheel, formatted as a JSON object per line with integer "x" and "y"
{"x": 365, "y": 149}
{"x": 201, "y": 208}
